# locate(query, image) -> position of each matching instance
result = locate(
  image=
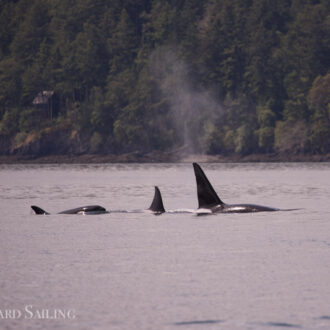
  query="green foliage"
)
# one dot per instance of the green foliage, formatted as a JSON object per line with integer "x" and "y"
{"x": 100, "y": 114}
{"x": 266, "y": 120}
{"x": 229, "y": 140}
{"x": 266, "y": 117}
{"x": 20, "y": 138}
{"x": 9, "y": 122}
{"x": 29, "y": 120}
{"x": 245, "y": 139}
{"x": 291, "y": 137}
{"x": 33, "y": 30}
{"x": 10, "y": 83}
{"x": 319, "y": 99}
{"x": 230, "y": 76}
{"x": 266, "y": 138}
{"x": 96, "y": 142}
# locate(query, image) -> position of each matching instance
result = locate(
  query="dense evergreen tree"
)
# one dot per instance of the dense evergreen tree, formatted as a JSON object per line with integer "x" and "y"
{"x": 216, "y": 76}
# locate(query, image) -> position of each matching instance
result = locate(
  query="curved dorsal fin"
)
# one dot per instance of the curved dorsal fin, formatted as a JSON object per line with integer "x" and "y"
{"x": 207, "y": 197}
{"x": 38, "y": 210}
{"x": 157, "y": 203}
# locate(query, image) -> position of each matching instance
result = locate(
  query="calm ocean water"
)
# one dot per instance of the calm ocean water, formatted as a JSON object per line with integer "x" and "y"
{"x": 174, "y": 271}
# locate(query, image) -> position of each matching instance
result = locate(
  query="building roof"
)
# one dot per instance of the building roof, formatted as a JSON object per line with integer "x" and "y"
{"x": 43, "y": 97}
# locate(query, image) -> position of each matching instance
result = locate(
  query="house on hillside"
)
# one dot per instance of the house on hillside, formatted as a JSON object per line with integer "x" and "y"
{"x": 48, "y": 104}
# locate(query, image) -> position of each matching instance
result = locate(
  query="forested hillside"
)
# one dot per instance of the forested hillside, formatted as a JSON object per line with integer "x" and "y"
{"x": 116, "y": 76}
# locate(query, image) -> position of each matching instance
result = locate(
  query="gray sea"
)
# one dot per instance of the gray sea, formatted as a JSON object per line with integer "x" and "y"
{"x": 174, "y": 271}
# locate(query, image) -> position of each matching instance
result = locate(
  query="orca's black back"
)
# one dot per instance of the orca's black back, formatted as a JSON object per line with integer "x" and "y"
{"x": 89, "y": 208}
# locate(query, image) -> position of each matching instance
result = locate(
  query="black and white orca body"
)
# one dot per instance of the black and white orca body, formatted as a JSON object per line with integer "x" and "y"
{"x": 85, "y": 210}
{"x": 209, "y": 201}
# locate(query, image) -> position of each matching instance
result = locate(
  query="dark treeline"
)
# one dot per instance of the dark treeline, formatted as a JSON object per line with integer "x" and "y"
{"x": 213, "y": 76}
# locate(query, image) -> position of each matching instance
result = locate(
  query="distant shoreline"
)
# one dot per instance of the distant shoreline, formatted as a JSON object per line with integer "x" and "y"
{"x": 136, "y": 157}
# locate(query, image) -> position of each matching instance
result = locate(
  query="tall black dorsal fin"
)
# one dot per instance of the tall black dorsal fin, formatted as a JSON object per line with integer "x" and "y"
{"x": 38, "y": 210}
{"x": 207, "y": 197}
{"x": 157, "y": 203}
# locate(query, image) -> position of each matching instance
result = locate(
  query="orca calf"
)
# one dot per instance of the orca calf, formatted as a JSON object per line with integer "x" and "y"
{"x": 90, "y": 209}
{"x": 210, "y": 201}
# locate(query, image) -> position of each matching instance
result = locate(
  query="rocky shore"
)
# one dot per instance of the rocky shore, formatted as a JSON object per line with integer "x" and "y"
{"x": 157, "y": 157}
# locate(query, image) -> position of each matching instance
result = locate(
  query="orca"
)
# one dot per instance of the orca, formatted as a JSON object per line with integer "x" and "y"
{"x": 157, "y": 206}
{"x": 209, "y": 201}
{"x": 90, "y": 209}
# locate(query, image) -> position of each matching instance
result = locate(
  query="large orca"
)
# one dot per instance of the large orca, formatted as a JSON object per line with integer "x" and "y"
{"x": 210, "y": 201}
{"x": 89, "y": 209}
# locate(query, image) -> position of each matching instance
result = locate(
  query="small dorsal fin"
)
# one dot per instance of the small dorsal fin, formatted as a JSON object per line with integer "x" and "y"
{"x": 38, "y": 210}
{"x": 207, "y": 197}
{"x": 157, "y": 203}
